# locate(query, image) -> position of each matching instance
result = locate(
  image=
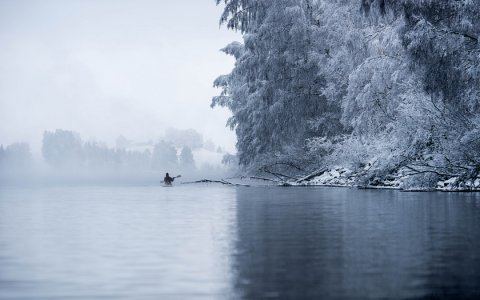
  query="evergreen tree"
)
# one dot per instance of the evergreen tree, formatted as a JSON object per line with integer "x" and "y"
{"x": 62, "y": 148}
{"x": 186, "y": 160}
{"x": 275, "y": 89}
{"x": 164, "y": 156}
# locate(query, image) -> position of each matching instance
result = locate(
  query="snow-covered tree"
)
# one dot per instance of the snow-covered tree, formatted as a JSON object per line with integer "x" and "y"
{"x": 379, "y": 82}
{"x": 275, "y": 89}
{"x": 442, "y": 38}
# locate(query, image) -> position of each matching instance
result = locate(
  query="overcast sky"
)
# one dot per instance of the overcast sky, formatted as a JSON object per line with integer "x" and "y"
{"x": 109, "y": 67}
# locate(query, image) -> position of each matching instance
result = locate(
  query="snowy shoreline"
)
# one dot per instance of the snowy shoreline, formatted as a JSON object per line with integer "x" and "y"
{"x": 342, "y": 177}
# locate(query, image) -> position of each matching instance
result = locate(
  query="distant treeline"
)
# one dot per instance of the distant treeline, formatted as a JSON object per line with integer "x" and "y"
{"x": 65, "y": 150}
{"x": 15, "y": 157}
{"x": 389, "y": 84}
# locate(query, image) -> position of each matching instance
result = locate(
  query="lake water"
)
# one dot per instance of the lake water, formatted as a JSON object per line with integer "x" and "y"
{"x": 217, "y": 242}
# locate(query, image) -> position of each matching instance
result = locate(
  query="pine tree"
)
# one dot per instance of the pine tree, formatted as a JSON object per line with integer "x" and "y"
{"x": 186, "y": 160}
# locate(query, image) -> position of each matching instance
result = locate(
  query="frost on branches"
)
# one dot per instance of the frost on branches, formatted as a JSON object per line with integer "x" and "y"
{"x": 392, "y": 85}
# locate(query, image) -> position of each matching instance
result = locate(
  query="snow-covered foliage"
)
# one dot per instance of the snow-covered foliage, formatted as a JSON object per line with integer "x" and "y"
{"x": 394, "y": 85}
{"x": 275, "y": 90}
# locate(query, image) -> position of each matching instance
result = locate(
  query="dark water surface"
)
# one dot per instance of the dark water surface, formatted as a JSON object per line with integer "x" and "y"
{"x": 212, "y": 242}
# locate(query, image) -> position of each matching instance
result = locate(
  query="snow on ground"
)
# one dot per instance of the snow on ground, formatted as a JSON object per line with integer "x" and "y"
{"x": 344, "y": 177}
{"x": 337, "y": 176}
{"x": 455, "y": 184}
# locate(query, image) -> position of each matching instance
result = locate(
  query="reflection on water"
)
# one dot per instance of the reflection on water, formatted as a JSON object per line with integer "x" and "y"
{"x": 211, "y": 242}
{"x": 329, "y": 243}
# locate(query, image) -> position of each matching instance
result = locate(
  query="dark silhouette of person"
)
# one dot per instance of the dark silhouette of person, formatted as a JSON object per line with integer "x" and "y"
{"x": 168, "y": 180}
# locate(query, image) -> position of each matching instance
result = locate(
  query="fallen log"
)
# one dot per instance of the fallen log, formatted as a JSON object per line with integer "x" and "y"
{"x": 262, "y": 178}
{"x": 312, "y": 175}
{"x": 222, "y": 181}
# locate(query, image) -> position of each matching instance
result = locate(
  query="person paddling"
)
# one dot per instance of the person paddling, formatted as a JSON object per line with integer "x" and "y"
{"x": 168, "y": 180}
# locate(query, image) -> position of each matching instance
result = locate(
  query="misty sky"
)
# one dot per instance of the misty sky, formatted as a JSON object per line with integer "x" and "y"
{"x": 109, "y": 67}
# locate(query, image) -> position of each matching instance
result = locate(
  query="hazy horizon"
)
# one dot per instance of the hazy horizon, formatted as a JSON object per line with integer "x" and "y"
{"x": 107, "y": 68}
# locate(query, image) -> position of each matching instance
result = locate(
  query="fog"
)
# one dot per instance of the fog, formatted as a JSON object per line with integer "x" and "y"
{"x": 67, "y": 158}
{"x": 104, "y": 69}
